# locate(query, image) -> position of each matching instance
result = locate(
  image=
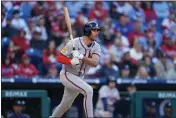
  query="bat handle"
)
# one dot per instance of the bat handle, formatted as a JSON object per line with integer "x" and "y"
{"x": 71, "y": 37}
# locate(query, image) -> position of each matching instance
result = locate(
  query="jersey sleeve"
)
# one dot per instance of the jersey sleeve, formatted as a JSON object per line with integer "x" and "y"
{"x": 103, "y": 92}
{"x": 66, "y": 50}
{"x": 97, "y": 50}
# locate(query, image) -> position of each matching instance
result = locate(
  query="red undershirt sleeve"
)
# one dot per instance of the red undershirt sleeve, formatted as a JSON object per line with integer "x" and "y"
{"x": 63, "y": 59}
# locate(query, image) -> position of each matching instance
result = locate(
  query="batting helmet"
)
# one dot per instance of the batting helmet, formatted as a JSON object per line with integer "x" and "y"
{"x": 91, "y": 25}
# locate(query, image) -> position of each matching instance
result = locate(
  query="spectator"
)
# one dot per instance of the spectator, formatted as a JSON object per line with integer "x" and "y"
{"x": 124, "y": 40}
{"x": 108, "y": 96}
{"x": 98, "y": 12}
{"x": 124, "y": 7}
{"x": 52, "y": 72}
{"x": 59, "y": 30}
{"x": 152, "y": 33}
{"x": 172, "y": 72}
{"x": 17, "y": 22}
{"x": 7, "y": 68}
{"x": 161, "y": 8}
{"x": 124, "y": 24}
{"x": 107, "y": 32}
{"x": 136, "y": 51}
{"x": 37, "y": 34}
{"x": 41, "y": 25}
{"x": 49, "y": 54}
{"x": 151, "y": 43}
{"x": 142, "y": 73}
{"x": 149, "y": 66}
{"x": 38, "y": 9}
{"x": 169, "y": 47}
{"x": 26, "y": 8}
{"x": 12, "y": 54}
{"x": 125, "y": 72}
{"x": 113, "y": 12}
{"x": 136, "y": 33}
{"x": 30, "y": 30}
{"x": 162, "y": 66}
{"x": 119, "y": 46}
{"x": 26, "y": 69}
{"x": 108, "y": 68}
{"x": 127, "y": 60}
{"x": 173, "y": 6}
{"x": 21, "y": 41}
{"x": 137, "y": 11}
{"x": 80, "y": 20}
{"x": 3, "y": 16}
{"x": 74, "y": 7}
{"x": 8, "y": 30}
{"x": 150, "y": 14}
{"x": 169, "y": 22}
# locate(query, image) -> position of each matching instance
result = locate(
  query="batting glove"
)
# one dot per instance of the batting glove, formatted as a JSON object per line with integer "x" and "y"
{"x": 75, "y": 61}
{"x": 77, "y": 54}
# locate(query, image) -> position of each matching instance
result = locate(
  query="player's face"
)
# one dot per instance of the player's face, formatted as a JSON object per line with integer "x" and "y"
{"x": 94, "y": 34}
{"x": 112, "y": 84}
{"x": 17, "y": 108}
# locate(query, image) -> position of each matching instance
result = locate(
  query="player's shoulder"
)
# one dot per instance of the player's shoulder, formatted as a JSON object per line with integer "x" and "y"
{"x": 104, "y": 87}
{"x": 96, "y": 44}
{"x": 10, "y": 115}
{"x": 77, "y": 38}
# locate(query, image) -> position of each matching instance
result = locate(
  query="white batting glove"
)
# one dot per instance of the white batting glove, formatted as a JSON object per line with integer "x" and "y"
{"x": 75, "y": 61}
{"x": 77, "y": 54}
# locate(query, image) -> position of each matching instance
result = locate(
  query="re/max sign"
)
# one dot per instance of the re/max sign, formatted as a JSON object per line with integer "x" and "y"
{"x": 16, "y": 94}
{"x": 166, "y": 95}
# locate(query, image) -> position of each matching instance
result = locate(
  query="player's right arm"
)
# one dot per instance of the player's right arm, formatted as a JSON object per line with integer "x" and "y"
{"x": 64, "y": 56}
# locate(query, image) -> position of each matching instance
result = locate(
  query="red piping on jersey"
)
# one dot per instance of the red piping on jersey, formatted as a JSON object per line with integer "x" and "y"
{"x": 63, "y": 59}
{"x": 84, "y": 55}
{"x": 79, "y": 88}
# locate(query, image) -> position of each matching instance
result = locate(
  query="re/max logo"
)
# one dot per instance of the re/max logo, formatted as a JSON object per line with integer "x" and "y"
{"x": 16, "y": 94}
{"x": 166, "y": 95}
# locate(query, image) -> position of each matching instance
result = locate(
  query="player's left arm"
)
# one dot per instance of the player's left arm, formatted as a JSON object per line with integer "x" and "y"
{"x": 93, "y": 61}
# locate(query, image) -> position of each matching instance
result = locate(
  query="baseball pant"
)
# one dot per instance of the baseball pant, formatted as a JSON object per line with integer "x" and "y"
{"x": 73, "y": 86}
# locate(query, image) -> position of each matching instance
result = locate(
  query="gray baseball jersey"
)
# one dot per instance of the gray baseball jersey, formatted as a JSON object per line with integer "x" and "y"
{"x": 82, "y": 68}
{"x": 111, "y": 94}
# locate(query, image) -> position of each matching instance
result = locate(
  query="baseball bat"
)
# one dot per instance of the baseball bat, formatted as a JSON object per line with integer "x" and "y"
{"x": 67, "y": 20}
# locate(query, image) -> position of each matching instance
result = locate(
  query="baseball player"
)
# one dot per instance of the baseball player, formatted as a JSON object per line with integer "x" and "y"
{"x": 108, "y": 96}
{"x": 75, "y": 64}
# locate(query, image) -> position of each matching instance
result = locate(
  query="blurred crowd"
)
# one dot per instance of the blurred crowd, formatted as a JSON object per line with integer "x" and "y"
{"x": 138, "y": 39}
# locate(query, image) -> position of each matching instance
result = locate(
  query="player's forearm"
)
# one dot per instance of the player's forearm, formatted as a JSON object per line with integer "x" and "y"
{"x": 63, "y": 59}
{"x": 90, "y": 61}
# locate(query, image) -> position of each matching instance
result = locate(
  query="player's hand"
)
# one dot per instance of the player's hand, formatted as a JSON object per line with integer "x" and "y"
{"x": 75, "y": 61}
{"x": 77, "y": 54}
